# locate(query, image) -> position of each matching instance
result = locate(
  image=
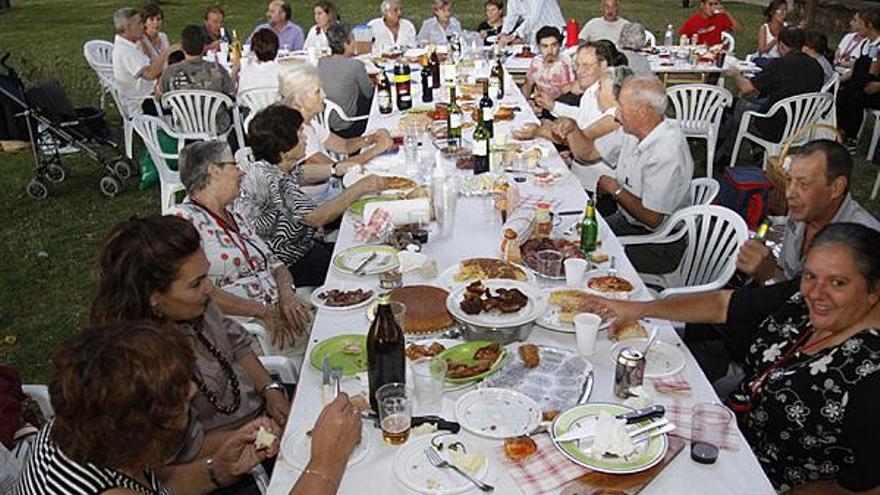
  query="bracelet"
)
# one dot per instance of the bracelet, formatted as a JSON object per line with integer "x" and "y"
{"x": 617, "y": 192}
{"x": 321, "y": 475}
{"x": 209, "y": 463}
{"x": 272, "y": 386}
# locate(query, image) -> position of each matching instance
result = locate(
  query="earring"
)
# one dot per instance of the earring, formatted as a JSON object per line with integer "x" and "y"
{"x": 156, "y": 313}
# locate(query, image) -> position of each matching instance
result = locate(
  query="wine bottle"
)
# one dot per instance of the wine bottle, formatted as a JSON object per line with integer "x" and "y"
{"x": 403, "y": 82}
{"x": 482, "y": 145}
{"x": 496, "y": 79}
{"x": 383, "y": 94}
{"x": 435, "y": 68}
{"x": 427, "y": 86}
{"x": 385, "y": 358}
{"x": 453, "y": 118}
{"x": 487, "y": 109}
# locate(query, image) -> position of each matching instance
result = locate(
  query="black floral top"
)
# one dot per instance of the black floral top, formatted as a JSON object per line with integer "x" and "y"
{"x": 817, "y": 417}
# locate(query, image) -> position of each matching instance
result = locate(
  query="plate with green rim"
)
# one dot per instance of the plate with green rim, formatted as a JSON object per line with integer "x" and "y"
{"x": 357, "y": 208}
{"x": 646, "y": 455}
{"x": 350, "y": 259}
{"x": 464, "y": 353}
{"x": 341, "y": 353}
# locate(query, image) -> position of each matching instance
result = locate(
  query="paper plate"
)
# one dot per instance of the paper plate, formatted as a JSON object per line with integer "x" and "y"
{"x": 319, "y": 303}
{"x": 335, "y": 350}
{"x": 497, "y": 413}
{"x": 298, "y": 451}
{"x": 610, "y": 294}
{"x": 350, "y": 178}
{"x": 663, "y": 359}
{"x": 348, "y": 261}
{"x": 414, "y": 471}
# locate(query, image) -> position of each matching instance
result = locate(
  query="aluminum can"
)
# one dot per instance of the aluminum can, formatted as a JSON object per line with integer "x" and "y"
{"x": 629, "y": 372}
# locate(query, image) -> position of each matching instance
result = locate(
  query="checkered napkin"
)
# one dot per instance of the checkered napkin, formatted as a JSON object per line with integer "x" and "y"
{"x": 679, "y": 413}
{"x": 675, "y": 384}
{"x": 375, "y": 226}
{"x": 542, "y": 472}
{"x": 532, "y": 200}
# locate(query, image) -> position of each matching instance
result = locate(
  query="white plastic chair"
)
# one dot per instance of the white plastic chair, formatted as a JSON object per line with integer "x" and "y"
{"x": 650, "y": 39}
{"x": 800, "y": 111}
{"x": 703, "y": 191}
{"x": 714, "y": 235}
{"x": 194, "y": 112}
{"x": 148, "y": 128}
{"x": 830, "y": 117}
{"x": 331, "y": 108}
{"x": 729, "y": 41}
{"x": 40, "y": 394}
{"x": 254, "y": 99}
{"x": 99, "y": 55}
{"x": 698, "y": 109}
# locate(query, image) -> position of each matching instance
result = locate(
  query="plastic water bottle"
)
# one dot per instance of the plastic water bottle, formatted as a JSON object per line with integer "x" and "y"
{"x": 667, "y": 38}
{"x": 444, "y": 192}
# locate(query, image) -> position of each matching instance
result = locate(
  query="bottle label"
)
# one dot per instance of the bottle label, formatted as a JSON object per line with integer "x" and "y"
{"x": 384, "y": 99}
{"x": 402, "y": 78}
{"x": 493, "y": 89}
{"x": 489, "y": 114}
{"x": 455, "y": 120}
{"x": 481, "y": 148}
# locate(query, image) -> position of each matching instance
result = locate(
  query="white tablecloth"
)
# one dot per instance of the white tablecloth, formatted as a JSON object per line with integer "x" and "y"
{"x": 736, "y": 472}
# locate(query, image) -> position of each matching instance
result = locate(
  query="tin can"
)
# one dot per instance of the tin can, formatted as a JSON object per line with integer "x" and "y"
{"x": 629, "y": 372}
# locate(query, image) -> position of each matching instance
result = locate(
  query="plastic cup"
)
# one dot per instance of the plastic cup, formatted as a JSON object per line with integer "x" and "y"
{"x": 395, "y": 412}
{"x": 429, "y": 380}
{"x": 575, "y": 268}
{"x": 586, "y": 329}
{"x": 549, "y": 262}
{"x": 710, "y": 424}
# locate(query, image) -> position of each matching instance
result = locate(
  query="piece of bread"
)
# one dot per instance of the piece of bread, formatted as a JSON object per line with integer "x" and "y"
{"x": 634, "y": 330}
{"x": 265, "y": 439}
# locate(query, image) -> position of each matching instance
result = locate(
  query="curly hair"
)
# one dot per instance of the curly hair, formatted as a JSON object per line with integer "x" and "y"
{"x": 139, "y": 257}
{"x": 274, "y": 130}
{"x": 121, "y": 394}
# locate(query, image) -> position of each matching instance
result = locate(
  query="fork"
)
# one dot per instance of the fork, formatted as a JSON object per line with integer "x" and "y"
{"x": 437, "y": 461}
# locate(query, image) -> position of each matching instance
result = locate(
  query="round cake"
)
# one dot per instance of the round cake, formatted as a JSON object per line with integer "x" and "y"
{"x": 425, "y": 308}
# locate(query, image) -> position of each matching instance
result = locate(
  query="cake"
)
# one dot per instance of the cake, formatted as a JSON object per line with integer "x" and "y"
{"x": 425, "y": 308}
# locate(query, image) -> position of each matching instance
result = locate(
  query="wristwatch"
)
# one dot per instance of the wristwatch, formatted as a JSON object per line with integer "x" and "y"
{"x": 273, "y": 386}
{"x": 617, "y": 192}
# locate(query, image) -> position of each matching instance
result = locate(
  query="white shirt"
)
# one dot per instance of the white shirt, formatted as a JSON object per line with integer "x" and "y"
{"x": 600, "y": 29}
{"x": 536, "y": 14}
{"x": 586, "y": 113}
{"x": 316, "y": 133}
{"x": 129, "y": 62}
{"x": 258, "y": 75}
{"x": 849, "y": 47}
{"x": 316, "y": 39}
{"x": 433, "y": 32}
{"x": 658, "y": 169}
{"x": 768, "y": 37}
{"x": 383, "y": 38}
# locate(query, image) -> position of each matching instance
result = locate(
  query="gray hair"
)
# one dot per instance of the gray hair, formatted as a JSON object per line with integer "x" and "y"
{"x": 861, "y": 240}
{"x": 337, "y": 37}
{"x": 388, "y": 4}
{"x": 123, "y": 17}
{"x": 632, "y": 36}
{"x": 194, "y": 160}
{"x": 649, "y": 91}
{"x": 617, "y": 75}
{"x": 296, "y": 82}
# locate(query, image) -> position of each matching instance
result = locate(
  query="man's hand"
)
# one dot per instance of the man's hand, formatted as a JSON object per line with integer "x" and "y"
{"x": 872, "y": 87}
{"x": 526, "y": 132}
{"x": 544, "y": 101}
{"x": 756, "y": 260}
{"x": 562, "y": 127}
{"x": 607, "y": 184}
{"x": 381, "y": 140}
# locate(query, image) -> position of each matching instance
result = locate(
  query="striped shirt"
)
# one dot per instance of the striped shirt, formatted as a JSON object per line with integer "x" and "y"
{"x": 49, "y": 471}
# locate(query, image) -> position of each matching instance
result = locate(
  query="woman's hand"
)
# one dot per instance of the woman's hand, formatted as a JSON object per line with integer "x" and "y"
{"x": 544, "y": 101}
{"x": 282, "y": 333}
{"x": 297, "y": 313}
{"x": 369, "y": 184}
{"x": 526, "y": 132}
{"x": 238, "y": 454}
{"x": 278, "y": 406}
{"x": 337, "y": 432}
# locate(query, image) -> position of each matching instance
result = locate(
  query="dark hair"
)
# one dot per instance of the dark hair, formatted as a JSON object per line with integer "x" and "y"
{"x": 548, "y": 32}
{"x": 861, "y": 240}
{"x": 151, "y": 10}
{"x": 792, "y": 37}
{"x": 120, "y": 394}
{"x": 176, "y": 56}
{"x": 818, "y": 42}
{"x": 330, "y": 9}
{"x": 213, "y": 9}
{"x": 139, "y": 257}
{"x": 838, "y": 162}
{"x": 192, "y": 40}
{"x": 337, "y": 37}
{"x": 870, "y": 16}
{"x": 285, "y": 7}
{"x": 607, "y": 51}
{"x": 774, "y": 5}
{"x": 273, "y": 131}
{"x": 264, "y": 44}
{"x": 497, "y": 3}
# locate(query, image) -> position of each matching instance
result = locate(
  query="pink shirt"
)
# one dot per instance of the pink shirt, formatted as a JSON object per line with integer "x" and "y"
{"x": 550, "y": 79}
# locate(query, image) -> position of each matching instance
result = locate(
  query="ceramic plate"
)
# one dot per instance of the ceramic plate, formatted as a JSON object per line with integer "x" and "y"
{"x": 663, "y": 359}
{"x": 319, "y": 303}
{"x": 348, "y": 352}
{"x": 497, "y": 413}
{"x": 533, "y": 309}
{"x": 551, "y": 317}
{"x": 611, "y": 295}
{"x": 385, "y": 260}
{"x": 412, "y": 468}
{"x": 350, "y": 178}
{"x": 447, "y": 277}
{"x": 464, "y": 353}
{"x": 298, "y": 451}
{"x": 646, "y": 455}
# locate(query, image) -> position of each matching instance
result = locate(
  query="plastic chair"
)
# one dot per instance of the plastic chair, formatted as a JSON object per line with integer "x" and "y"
{"x": 40, "y": 394}
{"x": 698, "y": 109}
{"x": 650, "y": 39}
{"x": 703, "y": 191}
{"x": 254, "y": 99}
{"x": 800, "y": 111}
{"x": 714, "y": 235}
{"x": 195, "y": 111}
{"x": 148, "y": 128}
{"x": 729, "y": 41}
{"x": 99, "y": 55}
{"x": 331, "y": 108}
{"x": 830, "y": 117}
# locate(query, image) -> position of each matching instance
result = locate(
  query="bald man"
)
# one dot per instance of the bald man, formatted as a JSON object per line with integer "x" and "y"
{"x": 290, "y": 36}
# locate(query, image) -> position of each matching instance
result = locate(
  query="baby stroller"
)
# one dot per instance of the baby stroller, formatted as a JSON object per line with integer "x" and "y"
{"x": 55, "y": 128}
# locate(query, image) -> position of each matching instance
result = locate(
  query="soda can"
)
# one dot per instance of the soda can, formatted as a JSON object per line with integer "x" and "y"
{"x": 629, "y": 372}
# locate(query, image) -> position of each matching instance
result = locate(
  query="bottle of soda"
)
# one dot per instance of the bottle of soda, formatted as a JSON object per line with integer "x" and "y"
{"x": 589, "y": 229}
{"x": 427, "y": 86}
{"x": 385, "y": 358}
{"x": 487, "y": 109}
{"x": 402, "y": 82}
{"x": 434, "y": 64}
{"x": 453, "y": 118}
{"x": 383, "y": 94}
{"x": 482, "y": 144}
{"x": 235, "y": 54}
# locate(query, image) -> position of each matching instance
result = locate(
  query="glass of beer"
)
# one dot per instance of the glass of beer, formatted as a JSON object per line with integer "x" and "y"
{"x": 395, "y": 412}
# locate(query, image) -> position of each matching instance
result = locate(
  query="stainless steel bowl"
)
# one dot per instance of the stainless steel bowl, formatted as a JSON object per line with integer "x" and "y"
{"x": 504, "y": 335}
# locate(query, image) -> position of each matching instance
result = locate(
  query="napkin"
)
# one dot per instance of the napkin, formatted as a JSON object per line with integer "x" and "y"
{"x": 532, "y": 200}
{"x": 679, "y": 413}
{"x": 675, "y": 384}
{"x": 520, "y": 221}
{"x": 411, "y": 260}
{"x": 398, "y": 211}
{"x": 542, "y": 472}
{"x": 376, "y": 222}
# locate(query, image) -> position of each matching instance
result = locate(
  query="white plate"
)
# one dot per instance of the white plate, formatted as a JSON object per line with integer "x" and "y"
{"x": 662, "y": 360}
{"x": 446, "y": 279}
{"x": 412, "y": 468}
{"x": 298, "y": 451}
{"x": 611, "y": 295}
{"x": 550, "y": 318}
{"x": 350, "y": 259}
{"x": 352, "y": 176}
{"x": 497, "y": 413}
{"x": 319, "y": 303}
{"x": 533, "y": 309}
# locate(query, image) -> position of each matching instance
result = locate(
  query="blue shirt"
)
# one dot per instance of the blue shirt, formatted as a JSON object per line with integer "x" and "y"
{"x": 291, "y": 36}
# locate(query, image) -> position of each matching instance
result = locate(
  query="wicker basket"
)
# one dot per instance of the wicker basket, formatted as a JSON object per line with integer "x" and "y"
{"x": 778, "y": 165}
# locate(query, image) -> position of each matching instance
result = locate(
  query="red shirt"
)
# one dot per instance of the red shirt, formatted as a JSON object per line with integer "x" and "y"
{"x": 707, "y": 29}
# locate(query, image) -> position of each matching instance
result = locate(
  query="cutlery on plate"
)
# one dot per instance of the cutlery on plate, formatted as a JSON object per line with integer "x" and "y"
{"x": 326, "y": 380}
{"x": 654, "y": 332}
{"x": 371, "y": 257}
{"x": 654, "y": 433}
{"x": 589, "y": 429}
{"x": 437, "y": 461}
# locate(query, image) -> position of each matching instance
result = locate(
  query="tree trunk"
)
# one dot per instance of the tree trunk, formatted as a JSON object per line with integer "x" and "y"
{"x": 5, "y": 4}
{"x": 810, "y": 8}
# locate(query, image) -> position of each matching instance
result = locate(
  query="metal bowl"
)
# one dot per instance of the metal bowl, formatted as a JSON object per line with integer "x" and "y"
{"x": 504, "y": 335}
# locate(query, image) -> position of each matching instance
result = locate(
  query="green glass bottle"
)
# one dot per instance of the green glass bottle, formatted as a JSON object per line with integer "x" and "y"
{"x": 453, "y": 118}
{"x": 589, "y": 229}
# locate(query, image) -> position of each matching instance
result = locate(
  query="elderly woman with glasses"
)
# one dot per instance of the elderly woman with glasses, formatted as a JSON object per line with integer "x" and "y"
{"x": 345, "y": 82}
{"x": 438, "y": 28}
{"x": 392, "y": 30}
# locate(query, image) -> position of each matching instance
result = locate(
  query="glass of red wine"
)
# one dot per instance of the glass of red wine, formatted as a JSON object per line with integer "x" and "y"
{"x": 709, "y": 427}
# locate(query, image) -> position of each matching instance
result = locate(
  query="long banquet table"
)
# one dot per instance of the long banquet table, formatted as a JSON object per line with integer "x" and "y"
{"x": 736, "y": 472}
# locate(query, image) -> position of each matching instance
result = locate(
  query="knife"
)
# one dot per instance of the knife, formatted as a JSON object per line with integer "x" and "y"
{"x": 440, "y": 423}
{"x": 589, "y": 431}
{"x": 631, "y": 417}
{"x": 371, "y": 257}
{"x": 326, "y": 391}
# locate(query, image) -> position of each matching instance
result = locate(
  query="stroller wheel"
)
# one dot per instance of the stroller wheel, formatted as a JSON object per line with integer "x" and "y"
{"x": 110, "y": 186}
{"x": 37, "y": 189}
{"x": 56, "y": 172}
{"x": 122, "y": 169}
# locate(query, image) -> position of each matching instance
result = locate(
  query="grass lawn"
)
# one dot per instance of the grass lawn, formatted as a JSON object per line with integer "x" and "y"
{"x": 48, "y": 248}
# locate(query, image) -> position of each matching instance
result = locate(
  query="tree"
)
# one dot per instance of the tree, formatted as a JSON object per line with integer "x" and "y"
{"x": 5, "y": 4}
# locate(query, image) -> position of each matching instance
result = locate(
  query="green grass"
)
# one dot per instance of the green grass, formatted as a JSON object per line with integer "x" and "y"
{"x": 48, "y": 248}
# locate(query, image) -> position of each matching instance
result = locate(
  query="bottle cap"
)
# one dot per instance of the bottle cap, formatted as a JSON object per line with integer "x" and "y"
{"x": 385, "y": 298}
{"x": 543, "y": 205}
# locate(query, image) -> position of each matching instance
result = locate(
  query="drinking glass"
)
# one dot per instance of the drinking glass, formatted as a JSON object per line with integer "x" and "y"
{"x": 419, "y": 221}
{"x": 429, "y": 379}
{"x": 549, "y": 262}
{"x": 586, "y": 328}
{"x": 710, "y": 425}
{"x": 411, "y": 135}
{"x": 395, "y": 412}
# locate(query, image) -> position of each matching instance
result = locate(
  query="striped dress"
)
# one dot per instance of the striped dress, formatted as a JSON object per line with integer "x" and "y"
{"x": 50, "y": 472}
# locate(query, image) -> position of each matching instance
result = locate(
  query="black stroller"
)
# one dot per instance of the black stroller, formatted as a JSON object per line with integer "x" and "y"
{"x": 54, "y": 128}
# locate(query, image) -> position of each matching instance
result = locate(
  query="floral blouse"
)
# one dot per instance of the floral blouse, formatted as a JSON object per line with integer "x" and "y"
{"x": 550, "y": 79}
{"x": 816, "y": 417}
{"x": 229, "y": 268}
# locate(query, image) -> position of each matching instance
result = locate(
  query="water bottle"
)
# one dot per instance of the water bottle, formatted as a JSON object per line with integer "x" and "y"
{"x": 667, "y": 38}
{"x": 444, "y": 192}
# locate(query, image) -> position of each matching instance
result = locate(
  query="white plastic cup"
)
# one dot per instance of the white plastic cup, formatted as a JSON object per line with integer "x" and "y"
{"x": 586, "y": 329}
{"x": 429, "y": 377}
{"x": 575, "y": 268}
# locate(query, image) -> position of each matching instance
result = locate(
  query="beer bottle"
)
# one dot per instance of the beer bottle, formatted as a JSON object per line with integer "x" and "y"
{"x": 427, "y": 86}
{"x": 487, "y": 109}
{"x": 385, "y": 358}
{"x": 761, "y": 233}
{"x": 402, "y": 82}
{"x": 482, "y": 144}
{"x": 435, "y": 69}
{"x": 383, "y": 94}
{"x": 236, "y": 47}
{"x": 453, "y": 118}
{"x": 496, "y": 79}
{"x": 589, "y": 229}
